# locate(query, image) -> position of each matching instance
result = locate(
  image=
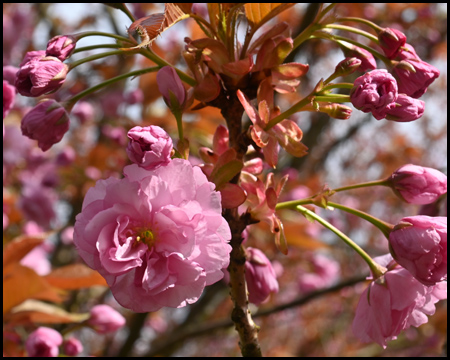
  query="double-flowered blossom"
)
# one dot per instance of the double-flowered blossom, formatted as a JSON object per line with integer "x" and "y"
{"x": 40, "y": 75}
{"x": 47, "y": 123}
{"x": 149, "y": 146}
{"x": 375, "y": 92}
{"x": 394, "y": 302}
{"x": 419, "y": 244}
{"x": 157, "y": 236}
{"x": 43, "y": 342}
{"x": 260, "y": 276}
{"x": 417, "y": 184}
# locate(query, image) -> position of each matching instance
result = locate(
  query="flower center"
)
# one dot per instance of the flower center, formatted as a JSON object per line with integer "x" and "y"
{"x": 145, "y": 236}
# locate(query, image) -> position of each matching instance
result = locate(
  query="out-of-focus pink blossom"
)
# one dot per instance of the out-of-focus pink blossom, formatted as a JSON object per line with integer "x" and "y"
{"x": 260, "y": 276}
{"x": 150, "y": 147}
{"x": 9, "y": 74}
{"x": 169, "y": 82}
{"x": 47, "y": 123}
{"x": 406, "y": 109}
{"x": 419, "y": 244}
{"x": 67, "y": 235}
{"x": 414, "y": 83}
{"x": 37, "y": 259}
{"x": 375, "y": 92}
{"x": 325, "y": 272}
{"x": 104, "y": 319}
{"x": 43, "y": 342}
{"x": 61, "y": 46}
{"x": 9, "y": 94}
{"x": 84, "y": 111}
{"x": 72, "y": 346}
{"x": 391, "y": 41}
{"x": 37, "y": 203}
{"x": 394, "y": 302}
{"x": 157, "y": 236}
{"x": 418, "y": 184}
{"x": 40, "y": 76}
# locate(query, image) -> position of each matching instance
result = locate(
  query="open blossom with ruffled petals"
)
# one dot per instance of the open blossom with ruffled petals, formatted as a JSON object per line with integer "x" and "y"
{"x": 40, "y": 76}
{"x": 149, "y": 146}
{"x": 104, "y": 319}
{"x": 47, "y": 123}
{"x": 158, "y": 237}
{"x": 394, "y": 302}
{"x": 406, "y": 109}
{"x": 419, "y": 244}
{"x": 418, "y": 184}
{"x": 375, "y": 92}
{"x": 43, "y": 342}
{"x": 260, "y": 276}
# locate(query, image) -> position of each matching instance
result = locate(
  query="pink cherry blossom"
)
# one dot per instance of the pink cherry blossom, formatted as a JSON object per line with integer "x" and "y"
{"x": 260, "y": 276}
{"x": 391, "y": 41}
{"x": 61, "y": 46}
{"x": 419, "y": 244}
{"x": 40, "y": 76}
{"x": 72, "y": 346}
{"x": 406, "y": 109}
{"x": 149, "y": 146}
{"x": 169, "y": 82}
{"x": 394, "y": 302}
{"x": 418, "y": 184}
{"x": 43, "y": 342}
{"x": 157, "y": 236}
{"x": 104, "y": 319}
{"x": 9, "y": 94}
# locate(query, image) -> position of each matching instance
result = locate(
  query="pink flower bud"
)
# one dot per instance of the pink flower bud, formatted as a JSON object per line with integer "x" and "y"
{"x": 104, "y": 319}
{"x": 41, "y": 75}
{"x": 406, "y": 109}
{"x": 72, "y": 346}
{"x": 150, "y": 147}
{"x": 391, "y": 41}
{"x": 347, "y": 66}
{"x": 30, "y": 55}
{"x": 43, "y": 342}
{"x": 415, "y": 84}
{"x": 169, "y": 82}
{"x": 375, "y": 92}
{"x": 368, "y": 62}
{"x": 417, "y": 184}
{"x": 61, "y": 46}
{"x": 419, "y": 244}
{"x": 335, "y": 110}
{"x": 47, "y": 123}
{"x": 260, "y": 276}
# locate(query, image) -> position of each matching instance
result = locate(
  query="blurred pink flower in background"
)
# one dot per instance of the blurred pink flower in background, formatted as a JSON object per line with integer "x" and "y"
{"x": 43, "y": 342}
{"x": 72, "y": 346}
{"x": 158, "y": 237}
{"x": 104, "y": 319}
{"x": 9, "y": 94}
{"x": 324, "y": 272}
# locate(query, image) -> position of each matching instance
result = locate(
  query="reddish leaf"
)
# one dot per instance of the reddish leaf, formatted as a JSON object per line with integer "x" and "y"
{"x": 232, "y": 195}
{"x": 74, "y": 276}
{"x": 15, "y": 250}
{"x": 259, "y": 13}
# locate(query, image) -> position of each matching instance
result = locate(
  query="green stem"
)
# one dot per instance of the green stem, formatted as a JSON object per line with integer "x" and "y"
{"x": 292, "y": 204}
{"x": 383, "y": 182}
{"x": 86, "y": 92}
{"x": 353, "y": 30}
{"x": 101, "y": 33}
{"x": 384, "y": 227}
{"x": 336, "y": 98}
{"x": 376, "y": 269}
{"x": 337, "y": 86}
{"x": 360, "y": 20}
{"x": 306, "y": 34}
{"x": 325, "y": 11}
{"x": 96, "y": 57}
{"x": 295, "y": 108}
{"x": 95, "y": 47}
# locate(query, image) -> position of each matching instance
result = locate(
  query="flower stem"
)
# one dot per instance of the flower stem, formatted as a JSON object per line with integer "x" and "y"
{"x": 101, "y": 33}
{"x": 96, "y": 57}
{"x": 336, "y": 86}
{"x": 336, "y": 98}
{"x": 384, "y": 227}
{"x": 95, "y": 47}
{"x": 71, "y": 102}
{"x": 376, "y": 269}
{"x": 353, "y": 30}
{"x": 360, "y": 20}
{"x": 295, "y": 108}
{"x": 383, "y": 182}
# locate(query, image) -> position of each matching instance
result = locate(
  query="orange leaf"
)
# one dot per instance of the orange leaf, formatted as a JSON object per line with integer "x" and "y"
{"x": 259, "y": 13}
{"x": 74, "y": 276}
{"x": 21, "y": 283}
{"x": 149, "y": 27}
{"x": 15, "y": 250}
